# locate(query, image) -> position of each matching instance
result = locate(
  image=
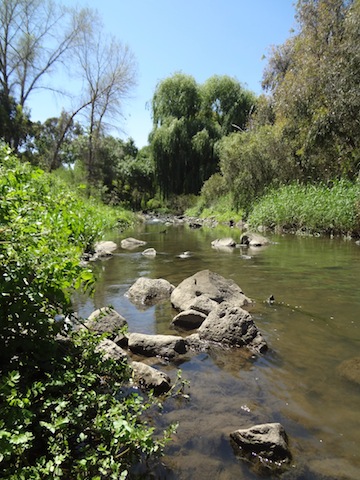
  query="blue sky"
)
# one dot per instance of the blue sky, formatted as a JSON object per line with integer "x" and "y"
{"x": 196, "y": 37}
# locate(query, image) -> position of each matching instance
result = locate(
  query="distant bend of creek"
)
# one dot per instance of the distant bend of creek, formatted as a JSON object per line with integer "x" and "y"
{"x": 313, "y": 326}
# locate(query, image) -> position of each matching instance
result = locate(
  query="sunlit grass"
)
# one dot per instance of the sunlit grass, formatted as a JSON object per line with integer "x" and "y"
{"x": 314, "y": 208}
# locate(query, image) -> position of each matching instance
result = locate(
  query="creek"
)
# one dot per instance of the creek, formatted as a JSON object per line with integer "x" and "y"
{"x": 312, "y": 327}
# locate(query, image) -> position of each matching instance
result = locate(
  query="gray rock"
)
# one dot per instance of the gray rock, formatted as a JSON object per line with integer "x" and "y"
{"x": 167, "y": 346}
{"x": 223, "y": 242}
{"x": 105, "y": 320}
{"x": 189, "y": 319}
{"x": 149, "y": 252}
{"x": 148, "y": 291}
{"x": 202, "y": 304}
{"x": 265, "y": 445}
{"x": 150, "y": 378}
{"x": 194, "y": 342}
{"x": 111, "y": 350}
{"x": 102, "y": 249}
{"x": 211, "y": 287}
{"x": 130, "y": 243}
{"x": 253, "y": 240}
{"x": 232, "y": 326}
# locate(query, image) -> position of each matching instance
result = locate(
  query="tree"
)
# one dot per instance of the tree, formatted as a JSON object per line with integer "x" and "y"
{"x": 15, "y": 124}
{"x": 107, "y": 69}
{"x": 51, "y": 147}
{"x": 188, "y": 120}
{"x": 226, "y": 103}
{"x": 35, "y": 37}
{"x": 175, "y": 110}
{"x": 314, "y": 79}
{"x": 251, "y": 161}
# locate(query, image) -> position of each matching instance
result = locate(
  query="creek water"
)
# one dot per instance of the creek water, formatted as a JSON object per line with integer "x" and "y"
{"x": 313, "y": 326}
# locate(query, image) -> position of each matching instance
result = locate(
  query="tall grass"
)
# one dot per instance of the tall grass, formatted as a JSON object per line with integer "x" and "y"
{"x": 314, "y": 208}
{"x": 220, "y": 209}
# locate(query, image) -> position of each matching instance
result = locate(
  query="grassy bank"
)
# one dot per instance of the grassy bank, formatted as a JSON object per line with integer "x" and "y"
{"x": 327, "y": 209}
{"x": 60, "y": 413}
{"x": 330, "y": 209}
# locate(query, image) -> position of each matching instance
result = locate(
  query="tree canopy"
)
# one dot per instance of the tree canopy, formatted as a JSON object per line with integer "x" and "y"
{"x": 188, "y": 120}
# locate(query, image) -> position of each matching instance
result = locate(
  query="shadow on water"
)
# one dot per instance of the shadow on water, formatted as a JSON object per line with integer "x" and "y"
{"x": 312, "y": 327}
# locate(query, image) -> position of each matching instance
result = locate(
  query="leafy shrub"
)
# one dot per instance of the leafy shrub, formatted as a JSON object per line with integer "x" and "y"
{"x": 60, "y": 411}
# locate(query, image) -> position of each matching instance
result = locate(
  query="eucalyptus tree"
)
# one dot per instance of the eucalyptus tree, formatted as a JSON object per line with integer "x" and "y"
{"x": 36, "y": 36}
{"x": 46, "y": 140}
{"x": 107, "y": 70}
{"x": 314, "y": 79}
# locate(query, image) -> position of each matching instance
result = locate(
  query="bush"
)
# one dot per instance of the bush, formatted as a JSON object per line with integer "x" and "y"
{"x": 60, "y": 411}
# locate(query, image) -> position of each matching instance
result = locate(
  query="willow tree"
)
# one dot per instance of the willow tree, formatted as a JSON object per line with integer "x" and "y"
{"x": 188, "y": 120}
{"x": 227, "y": 103}
{"x": 175, "y": 110}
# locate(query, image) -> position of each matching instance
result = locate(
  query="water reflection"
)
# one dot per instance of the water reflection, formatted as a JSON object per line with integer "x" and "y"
{"x": 312, "y": 326}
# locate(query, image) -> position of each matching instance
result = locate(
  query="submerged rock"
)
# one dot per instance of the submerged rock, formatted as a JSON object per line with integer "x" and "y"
{"x": 350, "y": 369}
{"x": 265, "y": 446}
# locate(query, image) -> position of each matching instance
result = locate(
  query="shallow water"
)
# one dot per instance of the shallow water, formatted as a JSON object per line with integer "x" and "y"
{"x": 311, "y": 328}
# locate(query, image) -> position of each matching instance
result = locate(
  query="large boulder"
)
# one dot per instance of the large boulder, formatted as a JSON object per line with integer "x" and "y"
{"x": 167, "y": 346}
{"x": 232, "y": 326}
{"x": 150, "y": 378}
{"x": 148, "y": 291}
{"x": 105, "y": 320}
{"x": 252, "y": 239}
{"x": 130, "y": 243}
{"x": 204, "y": 290}
{"x": 265, "y": 445}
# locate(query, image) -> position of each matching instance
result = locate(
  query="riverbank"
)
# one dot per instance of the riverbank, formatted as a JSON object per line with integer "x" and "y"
{"x": 331, "y": 210}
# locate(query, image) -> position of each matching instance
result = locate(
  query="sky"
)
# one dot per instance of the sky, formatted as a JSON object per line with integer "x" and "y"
{"x": 200, "y": 38}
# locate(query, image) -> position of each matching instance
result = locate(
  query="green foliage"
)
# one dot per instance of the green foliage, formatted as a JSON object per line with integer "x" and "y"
{"x": 250, "y": 161}
{"x": 314, "y": 78}
{"x": 175, "y": 97}
{"x": 15, "y": 124}
{"x": 333, "y": 208}
{"x": 227, "y": 103}
{"x": 188, "y": 120}
{"x": 78, "y": 421}
{"x": 64, "y": 409}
